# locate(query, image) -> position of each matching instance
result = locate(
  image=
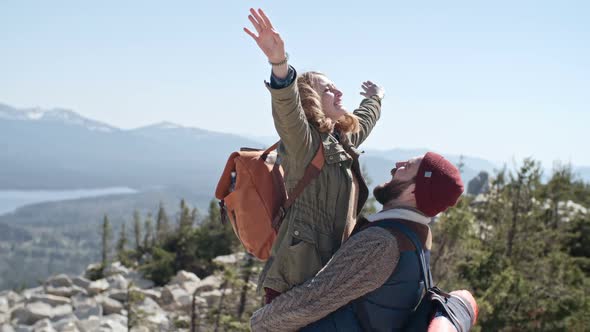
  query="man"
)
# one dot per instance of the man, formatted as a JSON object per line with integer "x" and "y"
{"x": 374, "y": 280}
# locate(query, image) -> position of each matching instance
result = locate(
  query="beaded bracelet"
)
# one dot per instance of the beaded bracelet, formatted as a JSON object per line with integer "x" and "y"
{"x": 280, "y": 63}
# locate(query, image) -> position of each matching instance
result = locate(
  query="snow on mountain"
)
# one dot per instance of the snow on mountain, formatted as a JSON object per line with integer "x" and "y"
{"x": 53, "y": 115}
{"x": 161, "y": 126}
{"x": 168, "y": 130}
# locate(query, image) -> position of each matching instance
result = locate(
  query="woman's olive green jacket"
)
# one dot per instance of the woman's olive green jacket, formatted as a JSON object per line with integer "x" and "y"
{"x": 312, "y": 228}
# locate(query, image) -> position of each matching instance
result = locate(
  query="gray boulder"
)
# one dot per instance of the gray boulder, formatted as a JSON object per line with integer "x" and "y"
{"x": 52, "y": 300}
{"x": 111, "y": 325}
{"x": 115, "y": 268}
{"x": 63, "y": 320}
{"x": 175, "y": 297}
{"x": 118, "y": 294}
{"x": 94, "y": 266}
{"x": 110, "y": 306}
{"x": 210, "y": 283}
{"x": 89, "y": 325}
{"x": 98, "y": 286}
{"x": 117, "y": 281}
{"x": 139, "y": 281}
{"x": 31, "y": 313}
{"x": 84, "y": 307}
{"x": 66, "y": 326}
{"x": 153, "y": 294}
{"x": 43, "y": 325}
{"x": 119, "y": 318}
{"x": 60, "y": 280}
{"x": 61, "y": 311}
{"x": 12, "y": 297}
{"x": 29, "y": 293}
{"x": 158, "y": 321}
{"x": 64, "y": 291}
{"x": 231, "y": 259}
{"x": 81, "y": 282}
{"x": 148, "y": 305}
{"x": 183, "y": 277}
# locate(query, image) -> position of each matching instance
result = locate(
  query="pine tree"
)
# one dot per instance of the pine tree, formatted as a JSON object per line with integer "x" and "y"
{"x": 122, "y": 243}
{"x": 147, "y": 240}
{"x": 186, "y": 219}
{"x": 106, "y": 240}
{"x": 162, "y": 224}
{"x": 137, "y": 230}
{"x": 195, "y": 217}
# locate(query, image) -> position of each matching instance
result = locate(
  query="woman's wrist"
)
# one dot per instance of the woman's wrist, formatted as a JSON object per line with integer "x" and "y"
{"x": 281, "y": 72}
{"x": 280, "y": 69}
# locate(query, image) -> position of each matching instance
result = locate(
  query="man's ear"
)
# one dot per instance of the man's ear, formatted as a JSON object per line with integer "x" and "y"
{"x": 412, "y": 189}
{"x": 410, "y": 192}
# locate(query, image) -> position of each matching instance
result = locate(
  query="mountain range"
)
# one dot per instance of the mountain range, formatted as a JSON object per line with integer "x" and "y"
{"x": 60, "y": 149}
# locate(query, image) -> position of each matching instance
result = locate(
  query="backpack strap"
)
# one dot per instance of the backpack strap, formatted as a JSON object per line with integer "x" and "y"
{"x": 426, "y": 274}
{"x": 453, "y": 307}
{"x": 311, "y": 172}
{"x": 269, "y": 150}
{"x": 359, "y": 308}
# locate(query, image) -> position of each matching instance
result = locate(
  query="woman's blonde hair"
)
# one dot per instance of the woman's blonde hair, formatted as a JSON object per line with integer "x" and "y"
{"x": 311, "y": 101}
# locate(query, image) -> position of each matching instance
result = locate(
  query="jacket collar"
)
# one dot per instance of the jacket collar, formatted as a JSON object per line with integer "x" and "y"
{"x": 400, "y": 213}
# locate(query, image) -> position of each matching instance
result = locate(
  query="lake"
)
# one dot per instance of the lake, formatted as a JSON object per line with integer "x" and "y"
{"x": 12, "y": 199}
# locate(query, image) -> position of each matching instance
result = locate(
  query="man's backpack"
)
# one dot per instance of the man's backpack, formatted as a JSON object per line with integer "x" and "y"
{"x": 434, "y": 301}
{"x": 253, "y": 197}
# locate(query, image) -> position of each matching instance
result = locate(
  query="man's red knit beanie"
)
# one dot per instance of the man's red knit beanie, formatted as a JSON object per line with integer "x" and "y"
{"x": 438, "y": 184}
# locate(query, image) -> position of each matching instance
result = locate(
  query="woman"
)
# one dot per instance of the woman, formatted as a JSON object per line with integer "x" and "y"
{"x": 308, "y": 114}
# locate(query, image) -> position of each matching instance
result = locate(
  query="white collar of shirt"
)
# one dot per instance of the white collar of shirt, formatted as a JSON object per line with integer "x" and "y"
{"x": 400, "y": 213}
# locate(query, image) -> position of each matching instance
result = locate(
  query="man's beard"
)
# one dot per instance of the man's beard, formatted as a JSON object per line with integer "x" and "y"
{"x": 390, "y": 191}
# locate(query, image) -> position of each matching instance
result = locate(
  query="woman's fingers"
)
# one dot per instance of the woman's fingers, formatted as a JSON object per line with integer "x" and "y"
{"x": 255, "y": 24}
{"x": 265, "y": 19}
{"x": 251, "y": 34}
{"x": 258, "y": 18}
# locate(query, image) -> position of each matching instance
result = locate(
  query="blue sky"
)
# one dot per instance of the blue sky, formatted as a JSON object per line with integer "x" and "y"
{"x": 500, "y": 80}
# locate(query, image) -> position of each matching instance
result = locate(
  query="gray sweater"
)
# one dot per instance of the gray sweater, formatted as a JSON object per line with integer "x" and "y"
{"x": 361, "y": 265}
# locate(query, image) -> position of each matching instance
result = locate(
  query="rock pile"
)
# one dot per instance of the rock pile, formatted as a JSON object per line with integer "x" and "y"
{"x": 77, "y": 304}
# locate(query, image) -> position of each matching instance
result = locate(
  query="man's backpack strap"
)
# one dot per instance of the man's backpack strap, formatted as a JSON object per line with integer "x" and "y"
{"x": 453, "y": 307}
{"x": 426, "y": 275}
{"x": 311, "y": 172}
{"x": 360, "y": 307}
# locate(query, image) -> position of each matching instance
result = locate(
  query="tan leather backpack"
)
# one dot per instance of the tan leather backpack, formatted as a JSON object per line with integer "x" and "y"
{"x": 252, "y": 195}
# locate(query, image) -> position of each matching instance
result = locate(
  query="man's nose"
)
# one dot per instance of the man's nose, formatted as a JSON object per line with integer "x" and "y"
{"x": 401, "y": 164}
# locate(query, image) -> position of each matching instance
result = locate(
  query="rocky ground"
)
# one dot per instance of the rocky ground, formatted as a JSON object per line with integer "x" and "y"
{"x": 122, "y": 301}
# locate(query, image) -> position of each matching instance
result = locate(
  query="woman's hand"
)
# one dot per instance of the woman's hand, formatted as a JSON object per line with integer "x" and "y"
{"x": 269, "y": 41}
{"x": 372, "y": 89}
